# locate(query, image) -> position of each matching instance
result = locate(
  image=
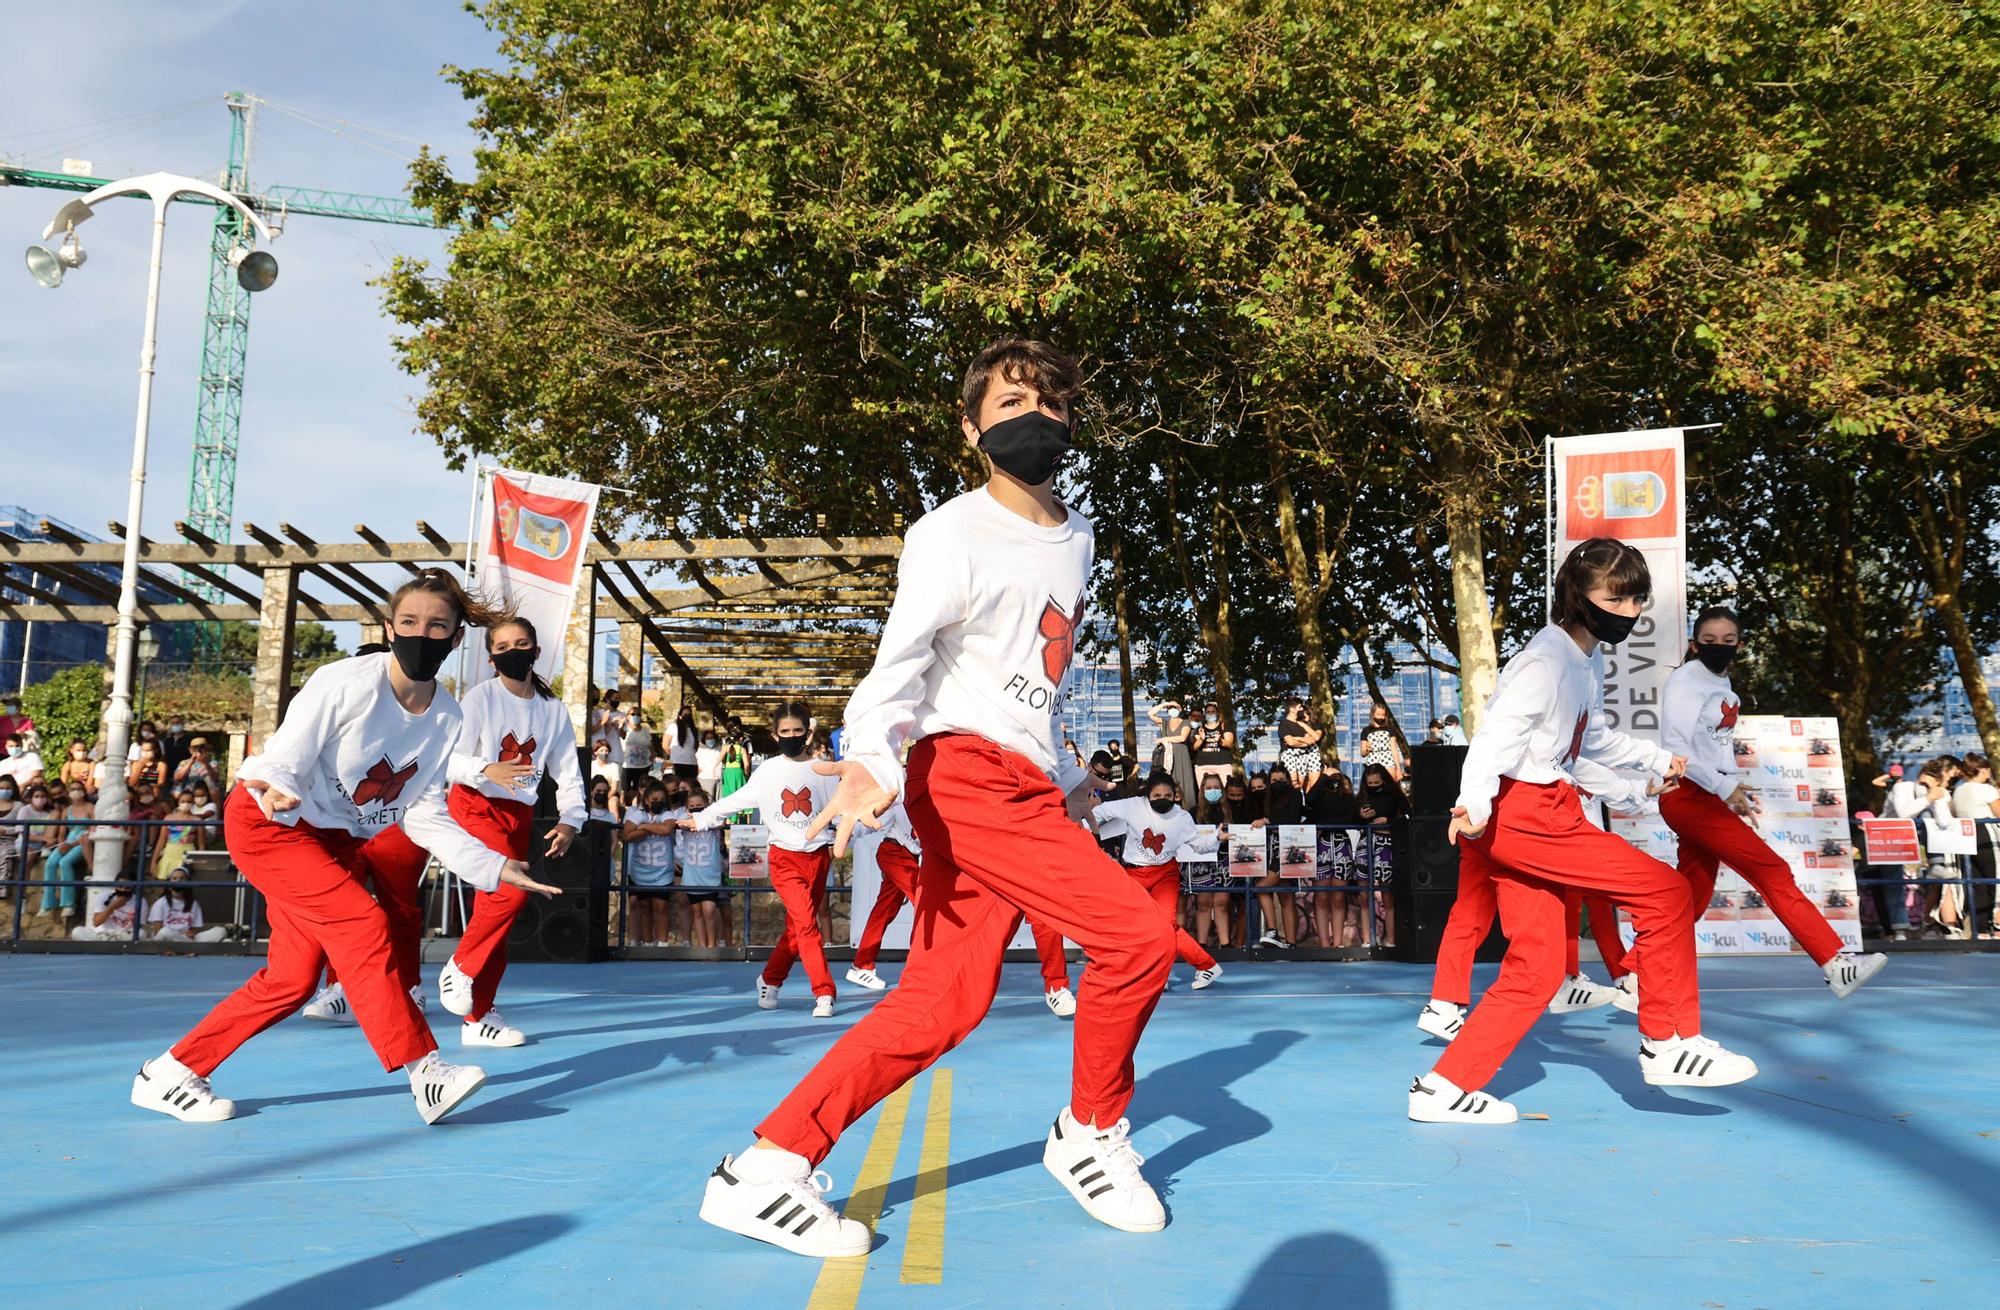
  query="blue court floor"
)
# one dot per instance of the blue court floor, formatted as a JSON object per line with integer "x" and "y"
{"x": 1861, "y": 1168}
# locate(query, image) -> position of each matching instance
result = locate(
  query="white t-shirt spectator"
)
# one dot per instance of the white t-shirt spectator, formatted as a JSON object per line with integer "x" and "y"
{"x": 21, "y": 767}
{"x": 1907, "y": 799}
{"x": 168, "y": 914}
{"x": 708, "y": 765}
{"x": 639, "y": 747}
{"x": 608, "y": 726}
{"x": 1974, "y": 800}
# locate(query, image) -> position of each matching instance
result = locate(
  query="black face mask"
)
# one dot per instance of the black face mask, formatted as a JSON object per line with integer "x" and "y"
{"x": 517, "y": 663}
{"x": 792, "y": 747}
{"x": 1161, "y": 804}
{"x": 1715, "y": 657}
{"x": 1028, "y": 446}
{"x": 419, "y": 658}
{"x": 1607, "y": 627}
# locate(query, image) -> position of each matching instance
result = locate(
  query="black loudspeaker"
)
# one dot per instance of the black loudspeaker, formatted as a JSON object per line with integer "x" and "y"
{"x": 1434, "y": 774}
{"x": 575, "y": 927}
{"x": 1427, "y": 887}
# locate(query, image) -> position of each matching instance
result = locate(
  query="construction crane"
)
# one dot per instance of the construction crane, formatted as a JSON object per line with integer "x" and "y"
{"x": 225, "y": 339}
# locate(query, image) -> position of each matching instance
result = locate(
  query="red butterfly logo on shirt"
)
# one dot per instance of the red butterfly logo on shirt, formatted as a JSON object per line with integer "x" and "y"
{"x": 797, "y": 802}
{"x": 1576, "y": 739}
{"x": 383, "y": 782}
{"x": 1156, "y": 842}
{"x": 1730, "y": 708}
{"x": 511, "y": 750}
{"x": 1059, "y": 631}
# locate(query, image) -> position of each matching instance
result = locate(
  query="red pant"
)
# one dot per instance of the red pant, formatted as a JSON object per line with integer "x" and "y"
{"x": 799, "y": 878}
{"x": 1538, "y": 844}
{"x": 997, "y": 842}
{"x": 1163, "y": 883}
{"x": 311, "y": 881}
{"x": 899, "y": 882}
{"x": 1471, "y": 918}
{"x": 506, "y": 827}
{"x": 394, "y": 866}
{"x": 1711, "y": 835}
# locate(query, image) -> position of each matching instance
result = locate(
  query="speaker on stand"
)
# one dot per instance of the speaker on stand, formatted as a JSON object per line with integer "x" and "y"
{"x": 1428, "y": 871}
{"x": 574, "y": 927}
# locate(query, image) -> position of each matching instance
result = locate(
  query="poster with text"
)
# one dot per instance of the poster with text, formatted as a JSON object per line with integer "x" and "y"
{"x": 1793, "y": 767}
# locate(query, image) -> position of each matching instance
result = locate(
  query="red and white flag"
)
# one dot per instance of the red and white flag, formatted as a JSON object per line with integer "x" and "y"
{"x": 532, "y": 533}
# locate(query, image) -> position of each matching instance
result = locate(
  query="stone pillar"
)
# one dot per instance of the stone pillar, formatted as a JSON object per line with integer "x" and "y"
{"x": 632, "y": 661}
{"x": 576, "y": 670}
{"x": 271, "y": 682}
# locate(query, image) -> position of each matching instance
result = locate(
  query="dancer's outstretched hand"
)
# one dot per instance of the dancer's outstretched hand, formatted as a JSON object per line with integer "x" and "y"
{"x": 858, "y": 799}
{"x": 516, "y": 875}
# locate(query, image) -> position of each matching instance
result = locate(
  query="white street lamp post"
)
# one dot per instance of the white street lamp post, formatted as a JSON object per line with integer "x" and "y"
{"x": 255, "y": 272}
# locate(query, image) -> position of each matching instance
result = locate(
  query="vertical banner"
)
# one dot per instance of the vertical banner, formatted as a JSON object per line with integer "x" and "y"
{"x": 1793, "y": 766}
{"x": 1630, "y": 486}
{"x": 531, "y": 531}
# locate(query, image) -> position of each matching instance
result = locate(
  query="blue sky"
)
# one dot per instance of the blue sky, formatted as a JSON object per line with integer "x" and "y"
{"x": 328, "y": 436}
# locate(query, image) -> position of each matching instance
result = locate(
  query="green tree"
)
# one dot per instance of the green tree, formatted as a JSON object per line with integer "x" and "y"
{"x": 65, "y": 708}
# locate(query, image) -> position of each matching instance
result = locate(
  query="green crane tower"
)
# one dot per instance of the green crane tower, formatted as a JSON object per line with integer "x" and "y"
{"x": 225, "y": 340}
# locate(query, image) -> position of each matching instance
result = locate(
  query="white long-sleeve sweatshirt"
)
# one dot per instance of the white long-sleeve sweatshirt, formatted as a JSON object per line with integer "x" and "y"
{"x": 979, "y": 640}
{"x": 1698, "y": 712}
{"x": 1155, "y": 839}
{"x": 359, "y": 762}
{"x": 786, "y": 794}
{"x": 502, "y": 728}
{"x": 1546, "y": 724}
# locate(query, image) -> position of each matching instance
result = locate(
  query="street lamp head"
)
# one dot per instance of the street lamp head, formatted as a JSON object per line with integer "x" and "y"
{"x": 256, "y": 270}
{"x": 149, "y": 645}
{"x": 47, "y": 266}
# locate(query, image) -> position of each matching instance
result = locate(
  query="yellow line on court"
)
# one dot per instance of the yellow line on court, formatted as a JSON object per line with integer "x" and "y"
{"x": 839, "y": 1285}
{"x": 923, "y": 1248}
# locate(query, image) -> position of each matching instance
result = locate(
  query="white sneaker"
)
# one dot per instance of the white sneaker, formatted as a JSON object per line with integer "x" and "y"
{"x": 165, "y": 1084}
{"x": 767, "y": 995}
{"x": 1627, "y": 998}
{"x": 330, "y": 1006}
{"x": 1846, "y": 972}
{"x": 822, "y": 1007}
{"x": 1101, "y": 1170}
{"x": 417, "y": 995}
{"x": 1692, "y": 1062}
{"x": 1441, "y": 1018}
{"x": 1437, "y": 1100}
{"x": 1062, "y": 1002}
{"x": 1580, "y": 992}
{"x": 455, "y": 989}
{"x": 866, "y": 978}
{"x": 439, "y": 1087}
{"x": 780, "y": 1201}
{"x": 491, "y": 1031}
{"x": 1203, "y": 977}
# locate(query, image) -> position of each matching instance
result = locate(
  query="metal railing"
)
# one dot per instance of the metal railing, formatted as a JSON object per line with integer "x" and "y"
{"x": 33, "y": 869}
{"x": 1880, "y": 890}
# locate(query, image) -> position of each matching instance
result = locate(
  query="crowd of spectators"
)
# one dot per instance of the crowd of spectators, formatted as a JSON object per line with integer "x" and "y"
{"x": 50, "y": 831}
{"x": 1936, "y": 899}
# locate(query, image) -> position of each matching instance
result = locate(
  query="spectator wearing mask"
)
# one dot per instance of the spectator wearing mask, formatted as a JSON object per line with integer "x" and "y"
{"x": 176, "y": 917}
{"x": 1213, "y": 746}
{"x": 1936, "y": 779}
{"x": 708, "y": 762}
{"x": 1907, "y": 798}
{"x": 736, "y": 761}
{"x": 1382, "y": 803}
{"x": 1330, "y": 800}
{"x": 639, "y": 751}
{"x": 1172, "y": 748}
{"x": 11, "y": 836}
{"x": 602, "y": 767}
{"x": 1380, "y": 744}
{"x": 649, "y": 831}
{"x": 175, "y": 745}
{"x": 36, "y": 837}
{"x": 148, "y": 731}
{"x": 1282, "y": 804}
{"x": 698, "y": 856}
{"x": 201, "y": 802}
{"x": 24, "y": 766}
{"x": 1121, "y": 763}
{"x": 1156, "y": 830}
{"x": 682, "y": 747}
{"x": 1299, "y": 743}
{"x": 1434, "y": 734}
{"x": 1978, "y": 799}
{"x": 608, "y": 726}
{"x": 1213, "y": 911}
{"x": 13, "y": 723}
{"x": 1331, "y": 803}
{"x": 147, "y": 768}
{"x": 181, "y": 835}
{"x": 115, "y": 920}
{"x": 68, "y": 858}
{"x": 79, "y": 770}
{"x": 200, "y": 766}
{"x": 1258, "y": 781}
{"x": 1453, "y": 734}
{"x": 604, "y": 807}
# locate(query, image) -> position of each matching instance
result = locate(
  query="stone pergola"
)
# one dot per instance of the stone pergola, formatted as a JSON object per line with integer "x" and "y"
{"x": 750, "y": 618}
